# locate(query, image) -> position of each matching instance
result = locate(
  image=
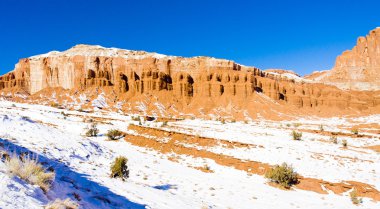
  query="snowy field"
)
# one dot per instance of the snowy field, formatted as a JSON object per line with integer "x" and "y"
{"x": 174, "y": 179}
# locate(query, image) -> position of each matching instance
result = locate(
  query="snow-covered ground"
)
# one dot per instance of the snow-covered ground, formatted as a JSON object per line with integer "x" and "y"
{"x": 82, "y": 163}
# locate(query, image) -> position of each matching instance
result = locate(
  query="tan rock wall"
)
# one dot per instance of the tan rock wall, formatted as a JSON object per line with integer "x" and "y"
{"x": 359, "y": 68}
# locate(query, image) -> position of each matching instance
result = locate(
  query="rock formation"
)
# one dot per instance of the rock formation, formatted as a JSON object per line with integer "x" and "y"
{"x": 198, "y": 79}
{"x": 282, "y": 72}
{"x": 359, "y": 68}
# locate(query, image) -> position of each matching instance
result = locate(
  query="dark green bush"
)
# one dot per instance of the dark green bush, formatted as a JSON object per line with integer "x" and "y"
{"x": 283, "y": 175}
{"x": 119, "y": 168}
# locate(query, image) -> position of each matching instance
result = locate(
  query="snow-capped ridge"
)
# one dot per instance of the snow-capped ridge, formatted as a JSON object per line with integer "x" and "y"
{"x": 100, "y": 51}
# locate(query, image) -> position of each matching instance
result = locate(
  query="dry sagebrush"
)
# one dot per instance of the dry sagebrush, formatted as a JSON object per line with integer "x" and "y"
{"x": 114, "y": 134}
{"x": 30, "y": 171}
{"x": 296, "y": 135}
{"x": 119, "y": 168}
{"x": 283, "y": 175}
{"x": 62, "y": 204}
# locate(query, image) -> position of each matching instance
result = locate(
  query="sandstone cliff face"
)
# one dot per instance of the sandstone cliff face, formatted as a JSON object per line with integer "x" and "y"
{"x": 198, "y": 79}
{"x": 359, "y": 68}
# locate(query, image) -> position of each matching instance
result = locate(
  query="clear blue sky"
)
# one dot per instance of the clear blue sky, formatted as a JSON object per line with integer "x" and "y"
{"x": 298, "y": 35}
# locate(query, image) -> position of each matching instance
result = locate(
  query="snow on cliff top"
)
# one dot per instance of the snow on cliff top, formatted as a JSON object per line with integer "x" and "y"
{"x": 100, "y": 51}
{"x": 96, "y": 50}
{"x": 289, "y": 74}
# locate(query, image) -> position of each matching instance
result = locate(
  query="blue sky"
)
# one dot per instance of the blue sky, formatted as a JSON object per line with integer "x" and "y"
{"x": 299, "y": 35}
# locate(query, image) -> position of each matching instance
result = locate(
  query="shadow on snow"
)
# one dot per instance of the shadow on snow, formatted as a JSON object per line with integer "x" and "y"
{"x": 77, "y": 186}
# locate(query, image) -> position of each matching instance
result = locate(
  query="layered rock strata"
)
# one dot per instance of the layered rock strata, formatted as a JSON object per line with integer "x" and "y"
{"x": 132, "y": 73}
{"x": 359, "y": 68}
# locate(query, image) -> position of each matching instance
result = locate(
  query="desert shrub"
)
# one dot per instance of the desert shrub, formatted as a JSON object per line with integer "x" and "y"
{"x": 321, "y": 128}
{"x": 53, "y": 104}
{"x": 88, "y": 120}
{"x": 296, "y": 135}
{"x": 13, "y": 105}
{"x": 136, "y": 118}
{"x": 283, "y": 175}
{"x": 30, "y": 170}
{"x": 354, "y": 197}
{"x": 119, "y": 168}
{"x": 206, "y": 168}
{"x": 334, "y": 139}
{"x": 114, "y": 134}
{"x": 296, "y": 125}
{"x": 355, "y": 131}
{"x": 62, "y": 204}
{"x": 344, "y": 143}
{"x": 4, "y": 155}
{"x": 26, "y": 118}
{"x": 92, "y": 130}
{"x": 165, "y": 123}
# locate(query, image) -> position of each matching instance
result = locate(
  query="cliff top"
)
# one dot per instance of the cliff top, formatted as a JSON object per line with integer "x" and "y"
{"x": 100, "y": 51}
{"x": 96, "y": 50}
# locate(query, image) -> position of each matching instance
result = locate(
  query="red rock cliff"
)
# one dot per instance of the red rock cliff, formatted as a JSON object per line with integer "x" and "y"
{"x": 197, "y": 79}
{"x": 359, "y": 68}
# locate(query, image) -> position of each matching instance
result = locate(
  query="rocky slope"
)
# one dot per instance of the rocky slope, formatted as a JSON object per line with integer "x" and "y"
{"x": 356, "y": 69}
{"x": 191, "y": 85}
